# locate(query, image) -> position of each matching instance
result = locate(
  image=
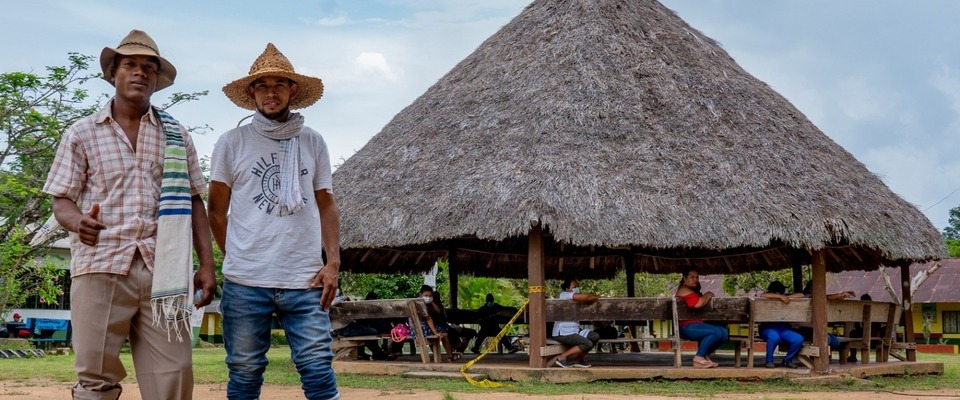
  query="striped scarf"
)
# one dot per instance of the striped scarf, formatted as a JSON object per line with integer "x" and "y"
{"x": 287, "y": 133}
{"x": 172, "y": 286}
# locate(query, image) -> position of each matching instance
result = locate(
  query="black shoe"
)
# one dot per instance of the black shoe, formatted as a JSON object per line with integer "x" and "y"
{"x": 852, "y": 359}
{"x": 514, "y": 350}
{"x": 475, "y": 350}
{"x": 789, "y": 364}
{"x": 769, "y": 364}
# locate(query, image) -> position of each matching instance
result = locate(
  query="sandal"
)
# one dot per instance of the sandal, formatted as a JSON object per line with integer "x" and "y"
{"x": 704, "y": 364}
{"x": 455, "y": 356}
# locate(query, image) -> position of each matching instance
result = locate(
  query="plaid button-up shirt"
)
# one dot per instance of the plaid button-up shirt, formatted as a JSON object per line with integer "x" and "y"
{"x": 95, "y": 163}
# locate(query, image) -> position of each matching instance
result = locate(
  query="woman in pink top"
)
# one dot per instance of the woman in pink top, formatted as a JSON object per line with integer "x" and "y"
{"x": 709, "y": 337}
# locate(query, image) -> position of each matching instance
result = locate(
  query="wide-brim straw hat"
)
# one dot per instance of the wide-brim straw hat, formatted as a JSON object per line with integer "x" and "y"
{"x": 274, "y": 63}
{"x": 138, "y": 43}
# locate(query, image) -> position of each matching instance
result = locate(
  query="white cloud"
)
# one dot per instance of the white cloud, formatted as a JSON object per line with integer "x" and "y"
{"x": 328, "y": 22}
{"x": 860, "y": 98}
{"x": 947, "y": 81}
{"x": 375, "y": 62}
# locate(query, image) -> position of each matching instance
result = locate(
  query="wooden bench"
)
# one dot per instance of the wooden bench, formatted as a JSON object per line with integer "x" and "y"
{"x": 870, "y": 312}
{"x": 397, "y": 310}
{"x": 799, "y": 311}
{"x": 769, "y": 310}
{"x": 612, "y": 309}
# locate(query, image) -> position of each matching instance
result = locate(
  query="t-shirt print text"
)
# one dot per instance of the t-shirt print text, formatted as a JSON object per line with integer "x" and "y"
{"x": 268, "y": 170}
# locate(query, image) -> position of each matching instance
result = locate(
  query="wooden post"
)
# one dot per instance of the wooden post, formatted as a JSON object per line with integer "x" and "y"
{"x": 797, "y": 278}
{"x": 453, "y": 273}
{"x": 907, "y": 314}
{"x": 537, "y": 307}
{"x": 631, "y": 269}
{"x": 818, "y": 304}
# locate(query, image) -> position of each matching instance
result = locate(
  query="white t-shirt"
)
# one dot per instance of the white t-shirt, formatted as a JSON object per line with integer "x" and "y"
{"x": 564, "y": 328}
{"x": 264, "y": 249}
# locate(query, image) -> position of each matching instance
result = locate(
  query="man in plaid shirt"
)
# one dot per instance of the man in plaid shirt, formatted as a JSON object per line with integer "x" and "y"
{"x": 111, "y": 165}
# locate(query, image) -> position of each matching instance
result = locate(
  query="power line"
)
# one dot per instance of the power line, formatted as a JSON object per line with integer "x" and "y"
{"x": 941, "y": 200}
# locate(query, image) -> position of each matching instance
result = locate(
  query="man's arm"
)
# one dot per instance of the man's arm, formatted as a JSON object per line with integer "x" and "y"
{"x": 217, "y": 205}
{"x": 330, "y": 234}
{"x": 205, "y": 278}
{"x": 87, "y": 226}
{"x": 585, "y": 297}
{"x": 841, "y": 295}
{"x": 776, "y": 296}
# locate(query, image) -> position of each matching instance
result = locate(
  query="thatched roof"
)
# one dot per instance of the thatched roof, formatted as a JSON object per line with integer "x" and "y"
{"x": 624, "y": 131}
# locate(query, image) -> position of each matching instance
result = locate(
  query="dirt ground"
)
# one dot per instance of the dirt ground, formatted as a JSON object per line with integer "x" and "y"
{"x": 59, "y": 391}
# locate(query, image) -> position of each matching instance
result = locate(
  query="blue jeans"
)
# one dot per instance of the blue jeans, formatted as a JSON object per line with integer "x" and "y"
{"x": 709, "y": 337}
{"x": 781, "y": 334}
{"x": 247, "y": 316}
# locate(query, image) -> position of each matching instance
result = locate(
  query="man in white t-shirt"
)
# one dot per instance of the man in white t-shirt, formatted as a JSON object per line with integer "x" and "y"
{"x": 274, "y": 176}
{"x": 569, "y": 333}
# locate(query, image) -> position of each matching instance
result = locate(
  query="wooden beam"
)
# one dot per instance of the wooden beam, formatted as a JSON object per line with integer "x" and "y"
{"x": 797, "y": 278}
{"x": 818, "y": 304}
{"x": 629, "y": 265}
{"x": 537, "y": 306}
{"x": 907, "y": 315}
{"x": 453, "y": 273}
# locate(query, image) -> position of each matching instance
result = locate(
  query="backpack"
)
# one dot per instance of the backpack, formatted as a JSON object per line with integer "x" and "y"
{"x": 399, "y": 333}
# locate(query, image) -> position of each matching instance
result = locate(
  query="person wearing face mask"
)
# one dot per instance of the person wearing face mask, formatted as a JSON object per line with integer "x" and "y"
{"x": 435, "y": 323}
{"x": 569, "y": 333}
{"x": 489, "y": 326}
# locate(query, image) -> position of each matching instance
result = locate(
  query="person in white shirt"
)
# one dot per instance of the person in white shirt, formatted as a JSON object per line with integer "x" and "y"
{"x": 569, "y": 333}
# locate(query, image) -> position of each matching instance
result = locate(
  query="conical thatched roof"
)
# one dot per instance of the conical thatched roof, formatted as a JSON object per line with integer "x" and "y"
{"x": 626, "y": 133}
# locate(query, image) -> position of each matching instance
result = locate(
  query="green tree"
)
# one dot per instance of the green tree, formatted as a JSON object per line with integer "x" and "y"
{"x": 951, "y": 234}
{"x": 35, "y": 110}
{"x": 386, "y": 286}
{"x": 952, "y": 231}
{"x": 748, "y": 281}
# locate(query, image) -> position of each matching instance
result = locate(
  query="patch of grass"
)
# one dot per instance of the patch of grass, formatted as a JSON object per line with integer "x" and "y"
{"x": 15, "y": 344}
{"x": 209, "y": 368}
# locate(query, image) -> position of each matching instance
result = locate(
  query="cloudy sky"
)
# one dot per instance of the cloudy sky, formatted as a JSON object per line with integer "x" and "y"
{"x": 880, "y": 77}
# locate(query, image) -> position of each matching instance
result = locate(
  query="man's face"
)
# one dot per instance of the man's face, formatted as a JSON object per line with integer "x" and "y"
{"x": 272, "y": 96}
{"x": 135, "y": 77}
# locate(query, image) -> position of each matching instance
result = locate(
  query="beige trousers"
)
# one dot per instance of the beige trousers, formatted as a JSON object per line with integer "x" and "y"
{"x": 105, "y": 310}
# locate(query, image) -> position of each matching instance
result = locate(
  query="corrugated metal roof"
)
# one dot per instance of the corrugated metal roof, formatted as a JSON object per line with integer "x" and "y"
{"x": 943, "y": 286}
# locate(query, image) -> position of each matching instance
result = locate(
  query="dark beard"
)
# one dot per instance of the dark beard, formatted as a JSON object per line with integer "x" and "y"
{"x": 279, "y": 116}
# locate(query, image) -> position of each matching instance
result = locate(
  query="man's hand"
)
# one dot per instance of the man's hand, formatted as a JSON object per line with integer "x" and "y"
{"x": 205, "y": 279}
{"x": 89, "y": 226}
{"x": 326, "y": 279}
{"x": 784, "y": 299}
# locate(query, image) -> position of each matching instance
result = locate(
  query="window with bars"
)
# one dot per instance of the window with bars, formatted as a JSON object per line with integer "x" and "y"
{"x": 951, "y": 321}
{"x": 62, "y": 300}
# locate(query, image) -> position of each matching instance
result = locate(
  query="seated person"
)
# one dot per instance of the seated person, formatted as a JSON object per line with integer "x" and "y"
{"x": 569, "y": 333}
{"x": 489, "y": 327}
{"x": 606, "y": 330}
{"x": 780, "y": 333}
{"x": 832, "y": 341}
{"x": 434, "y": 323}
{"x": 709, "y": 337}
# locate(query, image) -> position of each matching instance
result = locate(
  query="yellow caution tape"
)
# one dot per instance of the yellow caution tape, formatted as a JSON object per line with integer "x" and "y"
{"x": 486, "y": 383}
{"x": 536, "y": 289}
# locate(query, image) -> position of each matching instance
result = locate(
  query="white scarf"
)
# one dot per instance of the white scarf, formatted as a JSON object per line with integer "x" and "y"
{"x": 287, "y": 132}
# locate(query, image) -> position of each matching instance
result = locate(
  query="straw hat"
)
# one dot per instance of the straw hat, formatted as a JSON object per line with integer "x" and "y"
{"x": 273, "y": 63}
{"x": 138, "y": 43}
